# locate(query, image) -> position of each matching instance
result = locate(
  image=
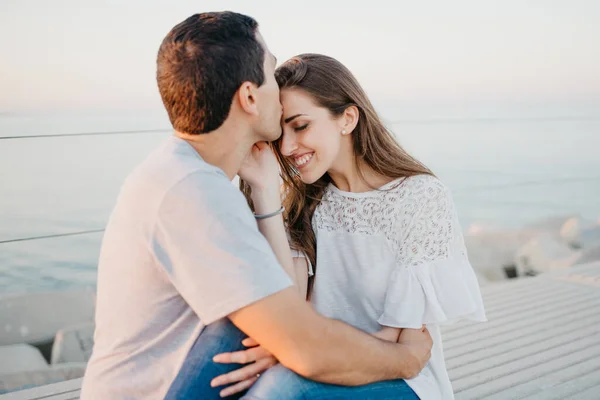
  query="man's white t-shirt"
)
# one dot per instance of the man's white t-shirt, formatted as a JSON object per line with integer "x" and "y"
{"x": 181, "y": 250}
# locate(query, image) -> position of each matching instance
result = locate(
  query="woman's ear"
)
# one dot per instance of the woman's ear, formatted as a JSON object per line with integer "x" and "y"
{"x": 349, "y": 120}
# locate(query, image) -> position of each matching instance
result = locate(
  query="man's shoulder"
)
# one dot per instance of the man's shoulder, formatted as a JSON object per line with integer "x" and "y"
{"x": 173, "y": 163}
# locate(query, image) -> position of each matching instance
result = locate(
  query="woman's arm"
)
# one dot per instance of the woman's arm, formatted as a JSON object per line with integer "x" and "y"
{"x": 301, "y": 269}
{"x": 398, "y": 335}
{"x": 273, "y": 230}
{"x": 388, "y": 333}
{"x": 260, "y": 172}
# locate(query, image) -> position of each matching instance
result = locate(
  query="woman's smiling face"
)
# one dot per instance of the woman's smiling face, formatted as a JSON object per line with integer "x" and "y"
{"x": 311, "y": 137}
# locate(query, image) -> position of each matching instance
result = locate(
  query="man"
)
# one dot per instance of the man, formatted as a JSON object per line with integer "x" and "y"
{"x": 182, "y": 250}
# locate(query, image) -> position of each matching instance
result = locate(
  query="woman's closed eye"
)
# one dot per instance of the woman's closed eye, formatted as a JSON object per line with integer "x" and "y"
{"x": 301, "y": 128}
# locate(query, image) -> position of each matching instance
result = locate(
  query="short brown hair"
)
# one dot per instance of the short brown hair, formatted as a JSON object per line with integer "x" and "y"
{"x": 202, "y": 62}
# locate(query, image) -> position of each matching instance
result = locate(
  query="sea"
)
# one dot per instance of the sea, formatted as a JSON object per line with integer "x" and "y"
{"x": 506, "y": 170}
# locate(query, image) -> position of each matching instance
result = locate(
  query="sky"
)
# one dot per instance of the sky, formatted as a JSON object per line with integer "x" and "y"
{"x": 100, "y": 55}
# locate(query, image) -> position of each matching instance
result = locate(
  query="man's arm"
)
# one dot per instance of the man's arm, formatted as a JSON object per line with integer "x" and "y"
{"x": 326, "y": 350}
{"x": 208, "y": 244}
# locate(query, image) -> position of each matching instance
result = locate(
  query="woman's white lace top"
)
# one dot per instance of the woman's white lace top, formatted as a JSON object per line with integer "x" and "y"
{"x": 396, "y": 257}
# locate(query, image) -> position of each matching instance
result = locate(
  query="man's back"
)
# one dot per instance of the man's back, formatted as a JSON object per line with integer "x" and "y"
{"x": 147, "y": 315}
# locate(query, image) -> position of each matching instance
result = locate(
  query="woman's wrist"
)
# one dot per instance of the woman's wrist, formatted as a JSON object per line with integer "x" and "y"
{"x": 269, "y": 215}
{"x": 265, "y": 187}
{"x": 266, "y": 199}
{"x": 267, "y": 207}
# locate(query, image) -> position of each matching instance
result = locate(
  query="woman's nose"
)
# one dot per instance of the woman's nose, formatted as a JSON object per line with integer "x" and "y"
{"x": 288, "y": 144}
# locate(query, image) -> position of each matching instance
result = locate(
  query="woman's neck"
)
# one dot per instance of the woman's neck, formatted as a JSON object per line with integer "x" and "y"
{"x": 348, "y": 178}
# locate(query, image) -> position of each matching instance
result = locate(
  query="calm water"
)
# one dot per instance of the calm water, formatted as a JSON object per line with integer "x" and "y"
{"x": 505, "y": 172}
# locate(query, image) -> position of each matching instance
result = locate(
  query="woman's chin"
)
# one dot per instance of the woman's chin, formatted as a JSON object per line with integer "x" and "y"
{"x": 309, "y": 177}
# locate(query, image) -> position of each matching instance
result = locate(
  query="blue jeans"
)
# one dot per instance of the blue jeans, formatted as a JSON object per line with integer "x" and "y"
{"x": 277, "y": 383}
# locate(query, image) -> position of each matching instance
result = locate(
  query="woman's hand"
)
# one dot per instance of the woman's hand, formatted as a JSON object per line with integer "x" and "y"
{"x": 413, "y": 335}
{"x": 388, "y": 333}
{"x": 260, "y": 168}
{"x": 261, "y": 171}
{"x": 419, "y": 343}
{"x": 258, "y": 360}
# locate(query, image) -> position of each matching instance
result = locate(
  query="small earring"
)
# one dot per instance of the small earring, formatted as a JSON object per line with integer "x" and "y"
{"x": 343, "y": 131}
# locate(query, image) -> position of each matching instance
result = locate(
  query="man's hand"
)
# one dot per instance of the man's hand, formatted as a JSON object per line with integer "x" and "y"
{"x": 319, "y": 348}
{"x": 419, "y": 343}
{"x": 258, "y": 360}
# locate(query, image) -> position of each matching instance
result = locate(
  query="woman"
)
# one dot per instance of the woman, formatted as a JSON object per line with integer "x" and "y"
{"x": 379, "y": 228}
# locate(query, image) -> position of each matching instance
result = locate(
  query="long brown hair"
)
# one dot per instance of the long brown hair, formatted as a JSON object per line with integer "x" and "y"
{"x": 332, "y": 86}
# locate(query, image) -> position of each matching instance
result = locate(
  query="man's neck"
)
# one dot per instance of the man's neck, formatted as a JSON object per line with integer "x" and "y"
{"x": 220, "y": 148}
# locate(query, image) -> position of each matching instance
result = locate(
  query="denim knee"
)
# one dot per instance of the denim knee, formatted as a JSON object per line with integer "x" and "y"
{"x": 279, "y": 383}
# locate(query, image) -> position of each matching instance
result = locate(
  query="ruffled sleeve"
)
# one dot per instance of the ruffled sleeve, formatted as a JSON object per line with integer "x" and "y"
{"x": 433, "y": 281}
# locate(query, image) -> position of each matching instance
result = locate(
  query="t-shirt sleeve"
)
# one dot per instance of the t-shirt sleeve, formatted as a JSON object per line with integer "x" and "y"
{"x": 207, "y": 241}
{"x": 301, "y": 254}
{"x": 433, "y": 281}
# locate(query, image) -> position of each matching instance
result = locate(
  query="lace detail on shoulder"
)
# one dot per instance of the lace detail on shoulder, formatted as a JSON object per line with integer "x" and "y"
{"x": 367, "y": 215}
{"x": 433, "y": 231}
{"x": 415, "y": 215}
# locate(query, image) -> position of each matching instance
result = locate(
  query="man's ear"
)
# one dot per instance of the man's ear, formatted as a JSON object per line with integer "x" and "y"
{"x": 246, "y": 96}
